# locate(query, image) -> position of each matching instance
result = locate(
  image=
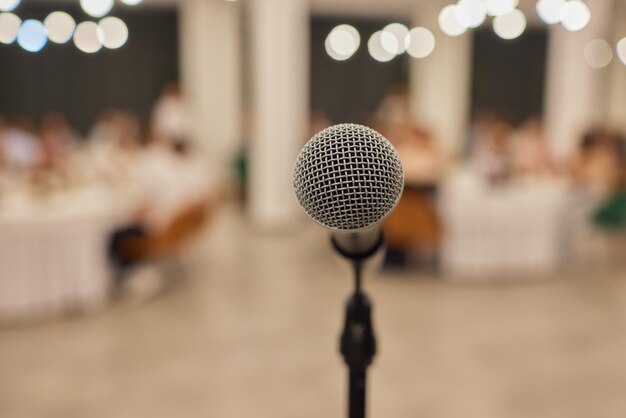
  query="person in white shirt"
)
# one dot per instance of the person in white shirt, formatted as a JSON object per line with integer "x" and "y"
{"x": 21, "y": 148}
{"x": 170, "y": 115}
{"x": 174, "y": 192}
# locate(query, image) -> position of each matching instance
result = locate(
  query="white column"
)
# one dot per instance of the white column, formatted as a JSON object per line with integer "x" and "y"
{"x": 440, "y": 83}
{"x": 575, "y": 95}
{"x": 617, "y": 89}
{"x": 279, "y": 46}
{"x": 210, "y": 50}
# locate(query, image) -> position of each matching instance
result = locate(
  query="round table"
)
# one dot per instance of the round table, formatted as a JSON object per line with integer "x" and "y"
{"x": 53, "y": 257}
{"x": 515, "y": 230}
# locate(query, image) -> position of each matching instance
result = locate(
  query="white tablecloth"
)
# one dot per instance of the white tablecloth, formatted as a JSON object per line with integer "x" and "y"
{"x": 53, "y": 253}
{"x": 507, "y": 231}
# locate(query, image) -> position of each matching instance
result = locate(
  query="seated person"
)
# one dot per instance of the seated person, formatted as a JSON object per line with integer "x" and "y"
{"x": 176, "y": 194}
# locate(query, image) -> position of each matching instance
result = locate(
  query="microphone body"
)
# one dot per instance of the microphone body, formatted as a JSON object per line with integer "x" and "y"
{"x": 348, "y": 178}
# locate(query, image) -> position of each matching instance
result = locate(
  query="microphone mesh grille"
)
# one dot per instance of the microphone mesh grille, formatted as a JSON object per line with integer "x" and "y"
{"x": 348, "y": 177}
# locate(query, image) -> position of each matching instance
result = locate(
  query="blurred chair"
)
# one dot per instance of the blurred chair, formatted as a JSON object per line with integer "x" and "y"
{"x": 166, "y": 244}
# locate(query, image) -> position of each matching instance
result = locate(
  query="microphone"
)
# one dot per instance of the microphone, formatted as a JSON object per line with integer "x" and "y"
{"x": 348, "y": 178}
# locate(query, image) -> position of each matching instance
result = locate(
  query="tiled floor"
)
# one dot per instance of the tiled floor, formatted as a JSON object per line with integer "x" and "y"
{"x": 253, "y": 333}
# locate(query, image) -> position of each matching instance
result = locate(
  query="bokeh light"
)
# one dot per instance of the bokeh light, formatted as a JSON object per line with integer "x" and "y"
{"x": 376, "y": 50}
{"x": 86, "y": 37}
{"x": 131, "y": 2}
{"x": 398, "y": 32}
{"x": 32, "y": 35}
{"x": 510, "y": 25}
{"x": 448, "y": 23}
{"x": 500, "y": 7}
{"x": 9, "y": 26}
{"x": 470, "y": 13}
{"x": 420, "y": 42}
{"x": 96, "y": 8}
{"x": 8, "y": 5}
{"x": 331, "y": 53}
{"x": 598, "y": 53}
{"x": 60, "y": 27}
{"x": 552, "y": 11}
{"x": 112, "y": 32}
{"x": 620, "y": 48}
{"x": 577, "y": 16}
{"x": 389, "y": 42}
{"x": 342, "y": 42}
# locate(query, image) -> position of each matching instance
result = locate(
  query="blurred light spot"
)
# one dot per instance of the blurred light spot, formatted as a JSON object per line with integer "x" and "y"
{"x": 32, "y": 35}
{"x": 621, "y": 50}
{"x": 86, "y": 37}
{"x": 552, "y": 11}
{"x": 470, "y": 13}
{"x": 376, "y": 50}
{"x": 8, "y": 5}
{"x": 60, "y": 27}
{"x": 448, "y": 23}
{"x": 96, "y": 8}
{"x": 389, "y": 42}
{"x": 135, "y": 2}
{"x": 399, "y": 32}
{"x": 577, "y": 16}
{"x": 342, "y": 42}
{"x": 112, "y": 32}
{"x": 510, "y": 25}
{"x": 598, "y": 53}
{"x": 420, "y": 42}
{"x": 331, "y": 53}
{"x": 500, "y": 7}
{"x": 9, "y": 26}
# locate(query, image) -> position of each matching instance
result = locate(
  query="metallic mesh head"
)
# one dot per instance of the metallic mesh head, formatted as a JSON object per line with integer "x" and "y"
{"x": 348, "y": 177}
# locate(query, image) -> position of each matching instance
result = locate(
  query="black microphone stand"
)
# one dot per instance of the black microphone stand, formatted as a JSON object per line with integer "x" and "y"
{"x": 358, "y": 342}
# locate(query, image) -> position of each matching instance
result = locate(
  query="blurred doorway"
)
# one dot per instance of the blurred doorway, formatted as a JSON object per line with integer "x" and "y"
{"x": 508, "y": 76}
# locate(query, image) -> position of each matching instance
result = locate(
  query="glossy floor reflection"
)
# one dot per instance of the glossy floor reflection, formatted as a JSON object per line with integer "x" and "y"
{"x": 253, "y": 333}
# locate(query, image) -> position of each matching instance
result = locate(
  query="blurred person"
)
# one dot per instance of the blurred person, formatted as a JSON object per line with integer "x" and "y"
{"x": 491, "y": 153}
{"x": 21, "y": 147}
{"x": 597, "y": 179}
{"x": 2, "y": 136}
{"x": 530, "y": 155}
{"x": 611, "y": 213}
{"x": 102, "y": 130}
{"x": 318, "y": 121}
{"x": 597, "y": 169}
{"x": 177, "y": 191}
{"x": 393, "y": 115}
{"x": 4, "y": 174}
{"x": 170, "y": 115}
{"x": 57, "y": 139}
{"x": 113, "y": 146}
{"x": 394, "y": 109}
{"x": 172, "y": 179}
{"x": 479, "y": 127}
{"x": 413, "y": 230}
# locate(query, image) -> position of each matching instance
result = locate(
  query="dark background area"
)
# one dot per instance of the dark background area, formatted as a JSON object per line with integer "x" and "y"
{"x": 63, "y": 79}
{"x": 508, "y": 75}
{"x": 351, "y": 90}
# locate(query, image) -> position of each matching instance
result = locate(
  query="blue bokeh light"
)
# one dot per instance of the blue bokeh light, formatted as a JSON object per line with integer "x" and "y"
{"x": 32, "y": 35}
